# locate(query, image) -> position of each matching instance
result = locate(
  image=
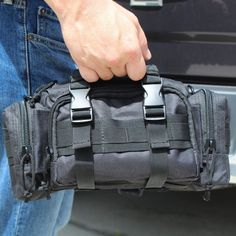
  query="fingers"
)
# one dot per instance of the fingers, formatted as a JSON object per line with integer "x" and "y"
{"x": 88, "y": 74}
{"x": 128, "y": 60}
{"x": 104, "y": 73}
{"x": 144, "y": 44}
{"x": 136, "y": 69}
{"x": 92, "y": 75}
{"x": 119, "y": 71}
{"x": 142, "y": 39}
{"x": 135, "y": 64}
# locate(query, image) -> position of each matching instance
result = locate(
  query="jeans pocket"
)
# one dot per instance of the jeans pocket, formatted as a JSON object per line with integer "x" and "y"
{"x": 48, "y": 60}
{"x": 48, "y": 25}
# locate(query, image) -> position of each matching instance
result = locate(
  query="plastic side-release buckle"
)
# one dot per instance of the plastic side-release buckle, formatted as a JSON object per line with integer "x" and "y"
{"x": 153, "y": 107}
{"x": 81, "y": 110}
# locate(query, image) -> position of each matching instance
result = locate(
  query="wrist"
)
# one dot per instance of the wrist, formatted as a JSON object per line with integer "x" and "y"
{"x": 72, "y": 8}
{"x": 63, "y": 7}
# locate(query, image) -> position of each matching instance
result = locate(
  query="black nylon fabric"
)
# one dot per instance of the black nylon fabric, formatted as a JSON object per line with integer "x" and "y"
{"x": 48, "y": 162}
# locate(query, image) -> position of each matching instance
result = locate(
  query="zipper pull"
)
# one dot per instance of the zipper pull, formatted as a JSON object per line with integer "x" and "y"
{"x": 47, "y": 161}
{"x": 190, "y": 89}
{"x": 207, "y": 195}
{"x": 25, "y": 154}
{"x": 210, "y": 146}
{"x": 30, "y": 100}
{"x": 49, "y": 155}
{"x": 27, "y": 196}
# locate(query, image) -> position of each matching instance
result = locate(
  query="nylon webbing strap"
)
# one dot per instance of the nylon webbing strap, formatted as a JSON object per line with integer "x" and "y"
{"x": 84, "y": 156}
{"x": 81, "y": 136}
{"x": 84, "y": 168}
{"x": 81, "y": 118}
{"x": 155, "y": 117}
{"x": 159, "y": 148}
{"x": 131, "y": 136}
{"x": 127, "y": 133}
{"x": 153, "y": 76}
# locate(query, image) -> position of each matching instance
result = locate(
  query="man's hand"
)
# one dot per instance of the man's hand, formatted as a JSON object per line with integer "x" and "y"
{"x": 103, "y": 38}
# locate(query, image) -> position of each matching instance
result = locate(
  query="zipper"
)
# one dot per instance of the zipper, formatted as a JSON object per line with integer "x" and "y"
{"x": 26, "y": 147}
{"x": 64, "y": 99}
{"x": 210, "y": 143}
{"x": 26, "y": 153}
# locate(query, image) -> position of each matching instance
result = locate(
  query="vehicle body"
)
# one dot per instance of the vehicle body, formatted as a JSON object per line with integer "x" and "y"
{"x": 195, "y": 41}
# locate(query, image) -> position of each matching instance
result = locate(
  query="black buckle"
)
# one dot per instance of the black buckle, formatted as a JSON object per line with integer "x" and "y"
{"x": 153, "y": 107}
{"x": 80, "y": 104}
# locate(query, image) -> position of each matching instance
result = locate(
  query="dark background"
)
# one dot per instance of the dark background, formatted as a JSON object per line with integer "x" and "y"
{"x": 192, "y": 37}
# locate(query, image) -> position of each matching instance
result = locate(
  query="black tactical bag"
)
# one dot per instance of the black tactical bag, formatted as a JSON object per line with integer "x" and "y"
{"x": 118, "y": 134}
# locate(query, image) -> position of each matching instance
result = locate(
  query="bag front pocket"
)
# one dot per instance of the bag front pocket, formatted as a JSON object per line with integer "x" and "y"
{"x": 214, "y": 139}
{"x": 25, "y": 133}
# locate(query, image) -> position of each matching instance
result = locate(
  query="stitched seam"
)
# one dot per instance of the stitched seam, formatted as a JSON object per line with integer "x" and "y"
{"x": 27, "y": 55}
{"x": 51, "y": 43}
{"x": 7, "y": 5}
{"x": 19, "y": 3}
{"x": 18, "y": 219}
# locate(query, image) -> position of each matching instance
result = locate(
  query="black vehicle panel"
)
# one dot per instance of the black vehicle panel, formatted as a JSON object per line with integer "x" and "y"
{"x": 192, "y": 37}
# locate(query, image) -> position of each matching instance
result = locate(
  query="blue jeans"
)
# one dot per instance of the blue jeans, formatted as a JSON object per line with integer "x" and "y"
{"x": 32, "y": 52}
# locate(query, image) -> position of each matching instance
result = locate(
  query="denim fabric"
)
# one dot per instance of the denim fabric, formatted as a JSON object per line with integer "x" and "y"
{"x": 32, "y": 52}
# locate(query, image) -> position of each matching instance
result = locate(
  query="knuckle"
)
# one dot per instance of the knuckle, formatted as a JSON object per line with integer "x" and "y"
{"x": 78, "y": 60}
{"x": 113, "y": 60}
{"x": 120, "y": 73}
{"x": 134, "y": 18}
{"x": 132, "y": 52}
{"x": 106, "y": 77}
{"x": 138, "y": 75}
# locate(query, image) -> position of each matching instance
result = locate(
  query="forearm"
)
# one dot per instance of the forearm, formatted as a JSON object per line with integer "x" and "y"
{"x": 73, "y": 7}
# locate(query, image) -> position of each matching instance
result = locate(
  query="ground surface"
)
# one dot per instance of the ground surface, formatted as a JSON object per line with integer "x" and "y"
{"x": 163, "y": 214}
